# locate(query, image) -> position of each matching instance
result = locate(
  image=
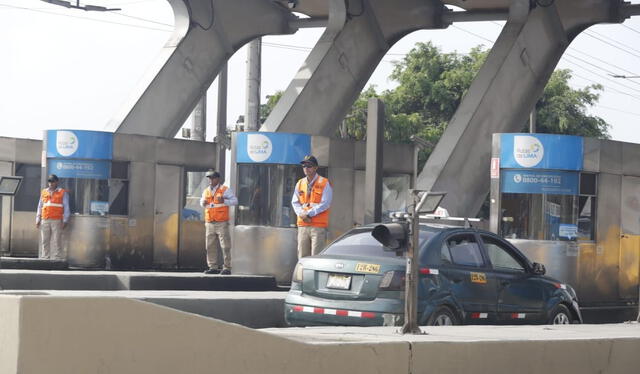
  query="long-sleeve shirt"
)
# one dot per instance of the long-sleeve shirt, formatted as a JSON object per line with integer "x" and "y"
{"x": 228, "y": 196}
{"x": 325, "y": 202}
{"x": 65, "y": 203}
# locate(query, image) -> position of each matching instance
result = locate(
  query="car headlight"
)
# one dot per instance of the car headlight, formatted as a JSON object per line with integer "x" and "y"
{"x": 297, "y": 273}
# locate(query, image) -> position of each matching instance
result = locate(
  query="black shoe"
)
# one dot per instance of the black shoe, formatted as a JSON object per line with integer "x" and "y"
{"x": 212, "y": 271}
{"x": 225, "y": 272}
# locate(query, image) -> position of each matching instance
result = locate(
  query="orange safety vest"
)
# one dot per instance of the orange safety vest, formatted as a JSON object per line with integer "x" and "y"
{"x": 52, "y": 204}
{"x": 219, "y": 212}
{"x": 312, "y": 199}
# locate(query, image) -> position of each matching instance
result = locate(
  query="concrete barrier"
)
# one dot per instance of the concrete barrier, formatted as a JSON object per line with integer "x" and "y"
{"x": 46, "y": 334}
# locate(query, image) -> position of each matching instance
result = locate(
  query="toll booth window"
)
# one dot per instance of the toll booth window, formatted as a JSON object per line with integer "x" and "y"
{"x": 539, "y": 216}
{"x": 26, "y": 200}
{"x": 100, "y": 197}
{"x": 587, "y": 207}
{"x": 195, "y": 184}
{"x": 264, "y": 194}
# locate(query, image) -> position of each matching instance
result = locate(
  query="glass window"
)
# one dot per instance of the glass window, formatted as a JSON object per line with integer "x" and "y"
{"x": 587, "y": 207}
{"x": 26, "y": 200}
{"x": 539, "y": 216}
{"x": 500, "y": 255}
{"x": 100, "y": 196}
{"x": 445, "y": 256}
{"x": 465, "y": 251}
{"x": 264, "y": 194}
{"x": 359, "y": 242}
{"x": 195, "y": 183}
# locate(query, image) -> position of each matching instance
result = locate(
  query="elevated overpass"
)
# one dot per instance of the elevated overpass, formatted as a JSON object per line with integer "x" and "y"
{"x": 358, "y": 34}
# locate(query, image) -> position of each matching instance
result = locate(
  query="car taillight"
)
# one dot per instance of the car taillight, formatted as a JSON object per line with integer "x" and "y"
{"x": 393, "y": 281}
{"x": 297, "y": 273}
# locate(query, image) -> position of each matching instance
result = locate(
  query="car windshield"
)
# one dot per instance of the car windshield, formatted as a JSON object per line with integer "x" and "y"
{"x": 361, "y": 243}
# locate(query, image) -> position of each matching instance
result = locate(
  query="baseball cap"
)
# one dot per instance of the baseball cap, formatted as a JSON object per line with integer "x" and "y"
{"x": 309, "y": 159}
{"x": 52, "y": 178}
{"x": 212, "y": 174}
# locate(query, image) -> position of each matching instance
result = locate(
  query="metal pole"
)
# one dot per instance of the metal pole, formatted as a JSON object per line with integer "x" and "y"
{"x": 221, "y": 120}
{"x": 411, "y": 289}
{"x": 532, "y": 121}
{"x": 252, "y": 112}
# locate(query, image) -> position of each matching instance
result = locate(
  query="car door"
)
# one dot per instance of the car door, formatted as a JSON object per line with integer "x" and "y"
{"x": 520, "y": 295}
{"x": 465, "y": 272}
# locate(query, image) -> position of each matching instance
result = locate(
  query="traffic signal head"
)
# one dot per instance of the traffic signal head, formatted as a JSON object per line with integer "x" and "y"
{"x": 393, "y": 236}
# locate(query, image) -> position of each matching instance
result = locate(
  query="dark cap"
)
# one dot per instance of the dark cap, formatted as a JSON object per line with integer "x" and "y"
{"x": 309, "y": 160}
{"x": 212, "y": 174}
{"x": 52, "y": 178}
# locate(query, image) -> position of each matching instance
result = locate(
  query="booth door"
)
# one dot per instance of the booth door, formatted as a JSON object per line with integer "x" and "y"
{"x": 629, "y": 238}
{"x": 5, "y": 211}
{"x": 167, "y": 215}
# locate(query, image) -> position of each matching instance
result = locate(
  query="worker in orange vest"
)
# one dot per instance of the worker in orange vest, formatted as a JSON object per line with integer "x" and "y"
{"x": 51, "y": 218}
{"x": 311, "y": 201}
{"x": 216, "y": 200}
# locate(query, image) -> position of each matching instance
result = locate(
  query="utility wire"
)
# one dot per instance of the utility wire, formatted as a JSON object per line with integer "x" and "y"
{"x": 567, "y": 59}
{"x": 83, "y": 18}
{"x": 630, "y": 28}
{"x": 612, "y": 45}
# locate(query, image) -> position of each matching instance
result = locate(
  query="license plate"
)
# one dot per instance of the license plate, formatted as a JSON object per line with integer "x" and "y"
{"x": 338, "y": 281}
{"x": 368, "y": 268}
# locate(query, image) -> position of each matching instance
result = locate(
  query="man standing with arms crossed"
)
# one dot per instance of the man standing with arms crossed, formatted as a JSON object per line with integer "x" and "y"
{"x": 311, "y": 201}
{"x": 51, "y": 218}
{"x": 216, "y": 200}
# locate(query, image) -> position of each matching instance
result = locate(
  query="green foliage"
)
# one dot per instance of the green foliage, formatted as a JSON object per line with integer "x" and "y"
{"x": 431, "y": 85}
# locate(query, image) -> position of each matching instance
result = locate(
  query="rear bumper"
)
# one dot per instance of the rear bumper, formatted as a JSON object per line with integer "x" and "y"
{"x": 304, "y": 310}
{"x": 305, "y": 315}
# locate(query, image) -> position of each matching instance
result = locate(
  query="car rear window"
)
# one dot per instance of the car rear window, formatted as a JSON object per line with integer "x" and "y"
{"x": 361, "y": 243}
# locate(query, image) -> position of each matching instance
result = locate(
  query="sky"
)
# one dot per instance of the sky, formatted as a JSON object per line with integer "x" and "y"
{"x": 67, "y": 68}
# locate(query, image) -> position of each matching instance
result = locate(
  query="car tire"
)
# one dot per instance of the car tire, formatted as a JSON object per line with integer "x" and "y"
{"x": 560, "y": 315}
{"x": 443, "y": 316}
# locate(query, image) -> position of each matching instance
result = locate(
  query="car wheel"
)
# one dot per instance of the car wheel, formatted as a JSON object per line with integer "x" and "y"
{"x": 560, "y": 315}
{"x": 443, "y": 317}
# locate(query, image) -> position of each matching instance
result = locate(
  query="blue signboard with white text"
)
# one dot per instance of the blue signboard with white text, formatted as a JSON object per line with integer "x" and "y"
{"x": 540, "y": 182}
{"x": 81, "y": 169}
{"x": 272, "y": 148}
{"x": 79, "y": 144}
{"x": 541, "y": 151}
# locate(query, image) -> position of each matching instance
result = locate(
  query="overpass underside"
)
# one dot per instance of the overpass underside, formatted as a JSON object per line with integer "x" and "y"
{"x": 358, "y": 34}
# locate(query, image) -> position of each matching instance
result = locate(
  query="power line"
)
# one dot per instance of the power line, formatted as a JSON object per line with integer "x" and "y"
{"x": 619, "y": 110}
{"x": 612, "y": 45}
{"x": 630, "y": 28}
{"x": 601, "y": 76}
{"x": 574, "y": 74}
{"x": 83, "y": 18}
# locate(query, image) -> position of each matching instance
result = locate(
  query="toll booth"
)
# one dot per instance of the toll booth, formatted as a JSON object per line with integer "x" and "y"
{"x": 134, "y": 199}
{"x": 573, "y": 204}
{"x": 264, "y": 170}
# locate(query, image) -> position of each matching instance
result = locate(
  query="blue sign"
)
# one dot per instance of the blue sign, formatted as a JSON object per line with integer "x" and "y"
{"x": 82, "y": 169}
{"x": 541, "y": 151}
{"x": 272, "y": 148}
{"x": 540, "y": 182}
{"x": 79, "y": 144}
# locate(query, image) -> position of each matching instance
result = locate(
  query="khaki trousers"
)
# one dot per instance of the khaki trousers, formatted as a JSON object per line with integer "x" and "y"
{"x": 51, "y": 231}
{"x": 217, "y": 235}
{"x": 311, "y": 240}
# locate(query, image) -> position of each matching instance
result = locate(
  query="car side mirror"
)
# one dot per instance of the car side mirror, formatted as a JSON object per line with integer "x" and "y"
{"x": 539, "y": 269}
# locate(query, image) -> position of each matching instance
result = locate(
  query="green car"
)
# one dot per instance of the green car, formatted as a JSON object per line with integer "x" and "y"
{"x": 467, "y": 276}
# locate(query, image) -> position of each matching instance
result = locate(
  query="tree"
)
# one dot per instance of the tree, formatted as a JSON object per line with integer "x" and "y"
{"x": 431, "y": 85}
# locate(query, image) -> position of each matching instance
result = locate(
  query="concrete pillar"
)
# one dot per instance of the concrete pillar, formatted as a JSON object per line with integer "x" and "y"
{"x": 254, "y": 76}
{"x": 502, "y": 95}
{"x": 357, "y": 37}
{"x": 207, "y": 34}
{"x": 373, "y": 171}
{"x": 199, "y": 123}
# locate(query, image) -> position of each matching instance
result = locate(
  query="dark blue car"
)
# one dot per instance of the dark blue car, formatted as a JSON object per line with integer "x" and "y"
{"x": 467, "y": 276}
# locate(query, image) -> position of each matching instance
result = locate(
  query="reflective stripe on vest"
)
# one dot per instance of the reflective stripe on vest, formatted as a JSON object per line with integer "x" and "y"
{"x": 52, "y": 204}
{"x": 311, "y": 200}
{"x": 215, "y": 209}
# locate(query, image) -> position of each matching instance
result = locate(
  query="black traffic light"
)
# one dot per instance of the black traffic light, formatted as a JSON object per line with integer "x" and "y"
{"x": 393, "y": 236}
